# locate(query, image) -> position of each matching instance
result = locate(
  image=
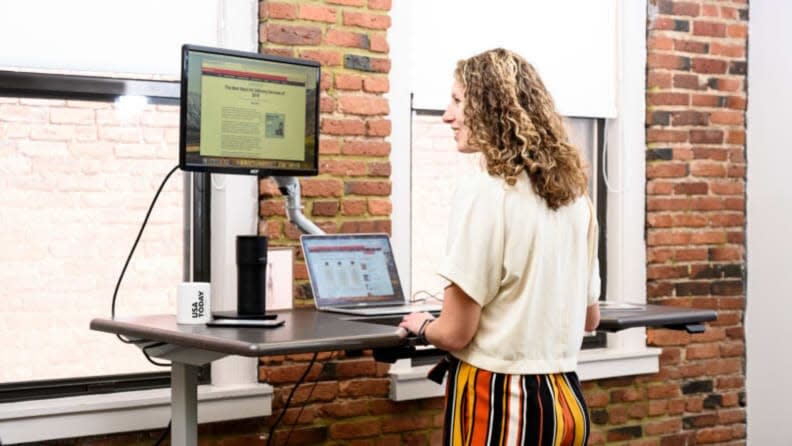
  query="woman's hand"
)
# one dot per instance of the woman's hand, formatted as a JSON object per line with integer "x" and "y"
{"x": 413, "y": 321}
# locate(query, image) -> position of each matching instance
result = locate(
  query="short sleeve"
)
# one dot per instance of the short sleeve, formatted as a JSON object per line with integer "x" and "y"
{"x": 473, "y": 258}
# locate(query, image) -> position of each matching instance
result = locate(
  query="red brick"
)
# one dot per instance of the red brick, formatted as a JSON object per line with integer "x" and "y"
{"x": 355, "y": 368}
{"x": 378, "y": 187}
{"x": 379, "y": 169}
{"x": 688, "y": 46}
{"x": 347, "y": 2}
{"x": 367, "y": 428}
{"x": 712, "y": 29}
{"x": 365, "y": 20}
{"x": 364, "y": 105}
{"x": 364, "y": 388}
{"x": 728, "y": 118}
{"x": 327, "y": 58}
{"x": 315, "y": 187}
{"x": 376, "y": 85}
{"x": 276, "y": 10}
{"x": 348, "y": 81}
{"x": 344, "y": 409}
{"x": 737, "y": 31}
{"x": 704, "y": 169}
{"x": 378, "y": 127}
{"x": 380, "y": 65}
{"x": 705, "y": 65}
{"x": 293, "y": 35}
{"x": 353, "y": 207}
{"x": 327, "y": 104}
{"x": 379, "y": 207}
{"x": 269, "y": 208}
{"x": 666, "y": 170}
{"x": 690, "y": 117}
{"x": 342, "y": 167}
{"x": 346, "y": 39}
{"x": 379, "y": 44}
{"x": 343, "y": 126}
{"x": 404, "y": 423}
{"x": 329, "y": 146}
{"x": 664, "y": 98}
{"x": 729, "y": 50}
{"x": 706, "y": 136}
{"x": 366, "y": 148}
{"x": 325, "y": 208}
{"x": 381, "y": 5}
{"x": 687, "y": 82}
{"x": 702, "y": 100}
{"x": 658, "y": 79}
{"x": 667, "y": 61}
{"x": 666, "y": 136}
{"x": 317, "y": 13}
{"x": 654, "y": 43}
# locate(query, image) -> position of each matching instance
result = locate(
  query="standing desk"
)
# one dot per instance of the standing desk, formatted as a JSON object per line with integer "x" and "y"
{"x": 189, "y": 347}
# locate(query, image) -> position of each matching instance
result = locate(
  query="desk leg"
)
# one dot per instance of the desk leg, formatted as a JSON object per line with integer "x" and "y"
{"x": 184, "y": 404}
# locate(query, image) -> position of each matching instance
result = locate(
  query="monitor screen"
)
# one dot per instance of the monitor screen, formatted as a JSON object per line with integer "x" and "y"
{"x": 248, "y": 113}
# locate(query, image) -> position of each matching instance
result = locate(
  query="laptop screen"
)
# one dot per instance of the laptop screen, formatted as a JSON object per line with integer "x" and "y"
{"x": 351, "y": 269}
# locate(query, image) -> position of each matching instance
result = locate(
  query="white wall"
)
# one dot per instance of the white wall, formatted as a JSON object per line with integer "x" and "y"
{"x": 768, "y": 322}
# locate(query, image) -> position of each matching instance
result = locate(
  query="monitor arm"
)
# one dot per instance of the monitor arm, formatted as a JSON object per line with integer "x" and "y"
{"x": 290, "y": 187}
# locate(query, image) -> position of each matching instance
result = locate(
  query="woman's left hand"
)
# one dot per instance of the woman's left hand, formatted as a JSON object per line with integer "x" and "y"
{"x": 413, "y": 321}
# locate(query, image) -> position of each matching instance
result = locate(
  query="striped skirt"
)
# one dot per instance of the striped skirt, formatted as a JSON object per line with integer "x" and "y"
{"x": 486, "y": 408}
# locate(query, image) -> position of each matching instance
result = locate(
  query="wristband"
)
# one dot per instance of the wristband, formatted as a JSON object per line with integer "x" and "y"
{"x": 422, "y": 331}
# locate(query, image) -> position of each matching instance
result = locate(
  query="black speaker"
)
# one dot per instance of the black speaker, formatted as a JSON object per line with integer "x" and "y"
{"x": 251, "y": 260}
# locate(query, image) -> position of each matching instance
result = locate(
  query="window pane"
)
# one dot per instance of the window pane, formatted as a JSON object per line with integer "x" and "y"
{"x": 436, "y": 166}
{"x": 76, "y": 179}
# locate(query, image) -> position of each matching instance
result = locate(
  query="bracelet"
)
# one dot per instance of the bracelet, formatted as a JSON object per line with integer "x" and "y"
{"x": 422, "y": 331}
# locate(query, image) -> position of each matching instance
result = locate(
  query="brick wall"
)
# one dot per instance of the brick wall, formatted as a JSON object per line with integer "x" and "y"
{"x": 695, "y": 222}
{"x": 352, "y": 191}
{"x": 349, "y": 404}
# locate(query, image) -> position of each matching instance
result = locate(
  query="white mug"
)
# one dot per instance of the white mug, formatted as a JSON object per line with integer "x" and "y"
{"x": 193, "y": 303}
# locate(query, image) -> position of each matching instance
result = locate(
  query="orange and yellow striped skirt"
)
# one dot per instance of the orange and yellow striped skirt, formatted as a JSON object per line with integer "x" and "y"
{"x": 496, "y": 409}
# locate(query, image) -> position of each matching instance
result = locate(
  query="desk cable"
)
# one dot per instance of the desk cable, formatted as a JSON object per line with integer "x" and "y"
{"x": 126, "y": 264}
{"x": 291, "y": 394}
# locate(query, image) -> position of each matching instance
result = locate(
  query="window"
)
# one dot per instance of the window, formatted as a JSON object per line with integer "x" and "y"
{"x": 80, "y": 164}
{"x": 436, "y": 166}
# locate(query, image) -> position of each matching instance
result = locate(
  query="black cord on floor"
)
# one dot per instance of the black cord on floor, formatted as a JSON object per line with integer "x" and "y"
{"x": 164, "y": 435}
{"x": 307, "y": 398}
{"x": 288, "y": 400}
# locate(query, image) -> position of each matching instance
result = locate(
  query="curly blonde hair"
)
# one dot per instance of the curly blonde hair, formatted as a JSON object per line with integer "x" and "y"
{"x": 513, "y": 122}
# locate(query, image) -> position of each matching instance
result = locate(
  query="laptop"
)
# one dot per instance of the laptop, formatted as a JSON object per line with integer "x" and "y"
{"x": 356, "y": 274}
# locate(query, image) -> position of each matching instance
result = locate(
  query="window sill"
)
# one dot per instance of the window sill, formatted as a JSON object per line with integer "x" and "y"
{"x": 50, "y": 419}
{"x": 409, "y": 383}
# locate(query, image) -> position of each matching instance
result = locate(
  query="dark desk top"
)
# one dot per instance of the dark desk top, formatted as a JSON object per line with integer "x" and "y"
{"x": 307, "y": 330}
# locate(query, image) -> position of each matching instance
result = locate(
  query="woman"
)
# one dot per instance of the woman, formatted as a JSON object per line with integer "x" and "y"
{"x": 521, "y": 265}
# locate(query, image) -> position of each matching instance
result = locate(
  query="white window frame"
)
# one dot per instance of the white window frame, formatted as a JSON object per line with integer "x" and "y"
{"x": 626, "y": 352}
{"x": 234, "y": 392}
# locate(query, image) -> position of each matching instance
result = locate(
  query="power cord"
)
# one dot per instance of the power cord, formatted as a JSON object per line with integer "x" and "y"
{"x": 307, "y": 398}
{"x": 164, "y": 434}
{"x": 129, "y": 257}
{"x": 288, "y": 400}
{"x": 436, "y": 296}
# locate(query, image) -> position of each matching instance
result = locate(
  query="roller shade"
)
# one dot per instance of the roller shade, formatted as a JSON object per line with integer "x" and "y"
{"x": 571, "y": 42}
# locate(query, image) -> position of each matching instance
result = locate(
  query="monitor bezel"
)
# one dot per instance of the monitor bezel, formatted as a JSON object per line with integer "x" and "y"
{"x": 311, "y": 170}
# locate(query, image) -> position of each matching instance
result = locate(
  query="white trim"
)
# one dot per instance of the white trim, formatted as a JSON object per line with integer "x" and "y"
{"x": 410, "y": 383}
{"x": 82, "y": 416}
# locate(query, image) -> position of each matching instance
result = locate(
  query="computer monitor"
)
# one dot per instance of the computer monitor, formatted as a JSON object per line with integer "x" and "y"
{"x": 248, "y": 113}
